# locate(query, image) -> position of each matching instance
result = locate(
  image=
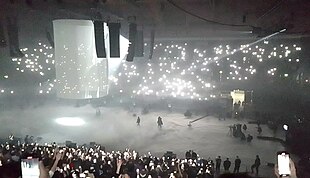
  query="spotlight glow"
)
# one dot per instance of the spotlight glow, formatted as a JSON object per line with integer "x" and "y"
{"x": 114, "y": 63}
{"x": 70, "y": 121}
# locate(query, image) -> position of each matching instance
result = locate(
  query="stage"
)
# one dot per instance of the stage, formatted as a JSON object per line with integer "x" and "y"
{"x": 116, "y": 129}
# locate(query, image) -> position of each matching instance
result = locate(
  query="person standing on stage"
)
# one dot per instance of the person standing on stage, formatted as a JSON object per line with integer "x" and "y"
{"x": 244, "y": 127}
{"x": 138, "y": 121}
{"x": 160, "y": 122}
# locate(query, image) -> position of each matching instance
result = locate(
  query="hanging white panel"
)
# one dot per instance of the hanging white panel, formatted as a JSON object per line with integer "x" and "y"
{"x": 79, "y": 73}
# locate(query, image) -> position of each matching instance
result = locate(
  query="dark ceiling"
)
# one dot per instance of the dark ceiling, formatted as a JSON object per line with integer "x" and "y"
{"x": 176, "y": 18}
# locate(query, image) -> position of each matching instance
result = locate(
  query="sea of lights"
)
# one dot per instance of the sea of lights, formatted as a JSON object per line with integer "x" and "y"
{"x": 177, "y": 69}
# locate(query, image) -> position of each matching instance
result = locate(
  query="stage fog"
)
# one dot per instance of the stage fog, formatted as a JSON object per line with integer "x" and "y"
{"x": 116, "y": 129}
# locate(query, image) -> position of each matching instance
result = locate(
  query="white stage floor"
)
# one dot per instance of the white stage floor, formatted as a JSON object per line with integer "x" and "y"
{"x": 116, "y": 129}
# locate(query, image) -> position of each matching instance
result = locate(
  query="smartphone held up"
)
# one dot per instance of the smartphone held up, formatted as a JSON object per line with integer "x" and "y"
{"x": 30, "y": 167}
{"x": 284, "y": 164}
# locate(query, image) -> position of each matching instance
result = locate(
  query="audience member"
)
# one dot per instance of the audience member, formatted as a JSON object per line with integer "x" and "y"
{"x": 237, "y": 164}
{"x": 256, "y": 165}
{"x": 226, "y": 164}
{"x": 218, "y": 162}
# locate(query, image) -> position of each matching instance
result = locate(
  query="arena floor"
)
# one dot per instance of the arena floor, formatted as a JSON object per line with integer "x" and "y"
{"x": 116, "y": 128}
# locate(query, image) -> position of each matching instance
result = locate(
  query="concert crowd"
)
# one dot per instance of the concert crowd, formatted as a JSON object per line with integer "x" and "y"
{"x": 94, "y": 161}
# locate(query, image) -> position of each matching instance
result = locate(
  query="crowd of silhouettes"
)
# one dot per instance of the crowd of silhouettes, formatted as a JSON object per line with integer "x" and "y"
{"x": 94, "y": 161}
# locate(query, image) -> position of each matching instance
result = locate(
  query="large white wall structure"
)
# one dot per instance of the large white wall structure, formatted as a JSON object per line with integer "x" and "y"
{"x": 79, "y": 73}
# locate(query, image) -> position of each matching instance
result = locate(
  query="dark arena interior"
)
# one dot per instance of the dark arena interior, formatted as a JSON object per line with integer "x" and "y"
{"x": 154, "y": 88}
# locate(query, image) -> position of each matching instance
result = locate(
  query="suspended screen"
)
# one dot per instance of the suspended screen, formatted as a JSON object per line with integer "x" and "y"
{"x": 79, "y": 73}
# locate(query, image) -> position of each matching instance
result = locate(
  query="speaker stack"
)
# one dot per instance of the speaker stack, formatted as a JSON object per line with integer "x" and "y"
{"x": 2, "y": 36}
{"x": 114, "y": 33}
{"x": 132, "y": 42}
{"x": 99, "y": 39}
{"x": 13, "y": 38}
